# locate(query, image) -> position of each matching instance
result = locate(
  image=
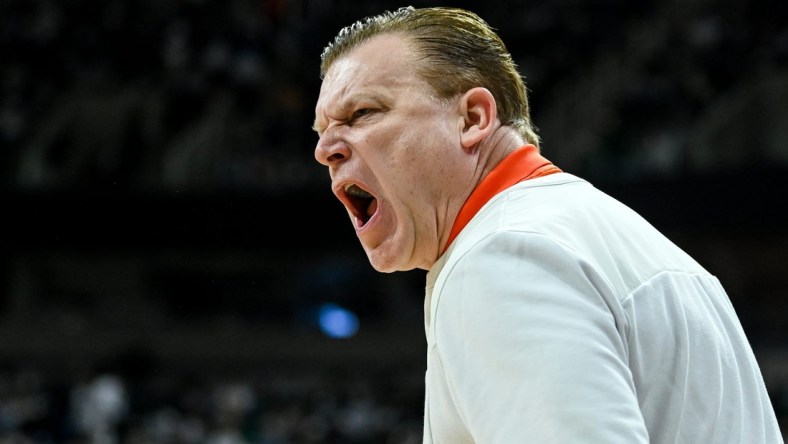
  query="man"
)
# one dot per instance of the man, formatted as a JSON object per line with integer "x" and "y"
{"x": 553, "y": 313}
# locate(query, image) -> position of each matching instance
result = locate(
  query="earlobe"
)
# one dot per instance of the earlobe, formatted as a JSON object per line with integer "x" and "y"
{"x": 479, "y": 114}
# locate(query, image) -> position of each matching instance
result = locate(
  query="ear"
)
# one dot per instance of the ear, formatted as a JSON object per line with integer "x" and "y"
{"x": 479, "y": 114}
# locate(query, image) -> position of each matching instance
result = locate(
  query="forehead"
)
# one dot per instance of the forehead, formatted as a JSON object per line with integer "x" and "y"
{"x": 383, "y": 63}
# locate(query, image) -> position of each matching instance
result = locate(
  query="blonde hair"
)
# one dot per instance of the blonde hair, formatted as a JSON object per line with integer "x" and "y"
{"x": 460, "y": 51}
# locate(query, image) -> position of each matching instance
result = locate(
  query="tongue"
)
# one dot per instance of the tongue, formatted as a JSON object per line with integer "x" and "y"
{"x": 373, "y": 206}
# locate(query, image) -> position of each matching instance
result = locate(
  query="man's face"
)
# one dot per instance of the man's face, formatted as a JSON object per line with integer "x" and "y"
{"x": 393, "y": 153}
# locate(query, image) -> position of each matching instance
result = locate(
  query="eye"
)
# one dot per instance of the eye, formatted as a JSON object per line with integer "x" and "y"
{"x": 360, "y": 113}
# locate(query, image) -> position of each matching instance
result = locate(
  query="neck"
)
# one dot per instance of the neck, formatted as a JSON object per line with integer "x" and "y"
{"x": 494, "y": 149}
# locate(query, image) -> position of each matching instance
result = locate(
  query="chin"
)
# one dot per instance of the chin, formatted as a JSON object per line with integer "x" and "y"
{"x": 384, "y": 262}
{"x": 381, "y": 266}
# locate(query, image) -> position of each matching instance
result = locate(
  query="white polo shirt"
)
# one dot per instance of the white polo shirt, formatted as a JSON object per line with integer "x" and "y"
{"x": 558, "y": 315}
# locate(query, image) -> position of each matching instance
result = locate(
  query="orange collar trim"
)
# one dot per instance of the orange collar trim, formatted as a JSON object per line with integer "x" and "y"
{"x": 522, "y": 164}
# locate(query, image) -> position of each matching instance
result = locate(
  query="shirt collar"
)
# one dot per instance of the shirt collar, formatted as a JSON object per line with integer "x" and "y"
{"x": 521, "y": 164}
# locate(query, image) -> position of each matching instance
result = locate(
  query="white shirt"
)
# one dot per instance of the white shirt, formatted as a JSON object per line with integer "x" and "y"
{"x": 558, "y": 315}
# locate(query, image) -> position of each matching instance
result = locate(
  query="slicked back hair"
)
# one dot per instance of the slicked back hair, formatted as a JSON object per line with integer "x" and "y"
{"x": 459, "y": 51}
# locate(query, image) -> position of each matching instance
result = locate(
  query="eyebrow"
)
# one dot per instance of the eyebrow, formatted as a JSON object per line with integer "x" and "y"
{"x": 350, "y": 103}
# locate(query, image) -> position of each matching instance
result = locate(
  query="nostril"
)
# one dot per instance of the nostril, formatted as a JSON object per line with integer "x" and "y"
{"x": 335, "y": 156}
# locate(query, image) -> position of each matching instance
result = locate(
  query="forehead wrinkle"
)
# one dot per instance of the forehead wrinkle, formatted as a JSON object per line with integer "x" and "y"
{"x": 322, "y": 108}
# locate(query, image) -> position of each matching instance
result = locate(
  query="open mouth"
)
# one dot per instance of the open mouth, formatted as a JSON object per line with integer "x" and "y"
{"x": 362, "y": 204}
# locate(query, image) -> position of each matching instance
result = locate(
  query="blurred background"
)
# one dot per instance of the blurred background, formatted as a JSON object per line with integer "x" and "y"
{"x": 176, "y": 270}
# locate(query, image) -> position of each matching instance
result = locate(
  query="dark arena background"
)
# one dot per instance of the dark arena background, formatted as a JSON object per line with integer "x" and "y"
{"x": 175, "y": 269}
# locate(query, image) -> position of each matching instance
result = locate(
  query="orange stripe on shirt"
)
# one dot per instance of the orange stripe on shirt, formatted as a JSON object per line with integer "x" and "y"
{"x": 522, "y": 164}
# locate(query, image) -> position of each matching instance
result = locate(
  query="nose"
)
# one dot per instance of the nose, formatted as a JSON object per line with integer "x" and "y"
{"x": 331, "y": 150}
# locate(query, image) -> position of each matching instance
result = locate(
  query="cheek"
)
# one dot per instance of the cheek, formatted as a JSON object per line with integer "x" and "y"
{"x": 413, "y": 155}
{"x": 416, "y": 179}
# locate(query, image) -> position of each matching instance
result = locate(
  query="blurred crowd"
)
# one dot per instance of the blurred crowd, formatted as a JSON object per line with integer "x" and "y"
{"x": 205, "y": 94}
{"x": 274, "y": 406}
{"x": 156, "y": 95}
